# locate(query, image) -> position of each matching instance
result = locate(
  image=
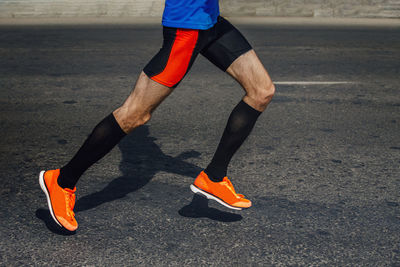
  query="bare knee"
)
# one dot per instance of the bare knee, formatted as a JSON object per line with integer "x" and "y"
{"x": 262, "y": 95}
{"x": 128, "y": 120}
{"x": 267, "y": 94}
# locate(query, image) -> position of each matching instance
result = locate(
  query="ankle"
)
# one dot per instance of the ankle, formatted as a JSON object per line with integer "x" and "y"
{"x": 64, "y": 182}
{"x": 215, "y": 176}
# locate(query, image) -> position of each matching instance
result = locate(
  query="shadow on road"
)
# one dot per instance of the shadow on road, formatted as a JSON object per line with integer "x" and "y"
{"x": 142, "y": 158}
{"x": 44, "y": 215}
{"x": 198, "y": 208}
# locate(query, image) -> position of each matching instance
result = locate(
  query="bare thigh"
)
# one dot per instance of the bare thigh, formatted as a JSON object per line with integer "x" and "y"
{"x": 254, "y": 78}
{"x": 140, "y": 104}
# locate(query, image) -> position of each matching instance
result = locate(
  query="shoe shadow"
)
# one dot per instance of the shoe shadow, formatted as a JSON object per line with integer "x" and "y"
{"x": 142, "y": 158}
{"x": 198, "y": 208}
{"x": 44, "y": 215}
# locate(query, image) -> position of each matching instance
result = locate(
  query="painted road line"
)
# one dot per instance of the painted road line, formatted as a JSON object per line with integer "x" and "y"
{"x": 312, "y": 82}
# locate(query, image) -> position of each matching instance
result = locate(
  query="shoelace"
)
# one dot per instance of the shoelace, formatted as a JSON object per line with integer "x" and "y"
{"x": 230, "y": 186}
{"x": 70, "y": 203}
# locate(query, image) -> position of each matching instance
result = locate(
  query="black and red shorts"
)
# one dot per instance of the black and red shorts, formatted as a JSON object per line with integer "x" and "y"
{"x": 221, "y": 44}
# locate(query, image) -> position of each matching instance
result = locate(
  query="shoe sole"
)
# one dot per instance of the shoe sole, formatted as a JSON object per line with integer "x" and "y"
{"x": 197, "y": 190}
{"x": 46, "y": 192}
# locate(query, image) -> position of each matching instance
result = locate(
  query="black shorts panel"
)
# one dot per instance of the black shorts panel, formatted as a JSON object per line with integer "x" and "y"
{"x": 227, "y": 47}
{"x": 159, "y": 61}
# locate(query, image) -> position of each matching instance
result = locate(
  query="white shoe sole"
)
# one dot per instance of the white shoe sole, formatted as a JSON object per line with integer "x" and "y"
{"x": 197, "y": 190}
{"x": 44, "y": 189}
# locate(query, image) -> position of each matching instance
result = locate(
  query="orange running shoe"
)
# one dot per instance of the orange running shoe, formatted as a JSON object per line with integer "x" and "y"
{"x": 222, "y": 192}
{"x": 61, "y": 201}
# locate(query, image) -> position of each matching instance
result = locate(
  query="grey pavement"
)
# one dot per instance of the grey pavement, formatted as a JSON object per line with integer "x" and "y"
{"x": 321, "y": 166}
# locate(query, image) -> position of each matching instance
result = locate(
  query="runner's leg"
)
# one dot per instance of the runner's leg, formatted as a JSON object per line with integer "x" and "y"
{"x": 163, "y": 73}
{"x": 155, "y": 83}
{"x": 232, "y": 53}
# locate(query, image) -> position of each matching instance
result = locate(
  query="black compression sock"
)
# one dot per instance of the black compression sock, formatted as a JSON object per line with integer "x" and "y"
{"x": 240, "y": 123}
{"x": 103, "y": 138}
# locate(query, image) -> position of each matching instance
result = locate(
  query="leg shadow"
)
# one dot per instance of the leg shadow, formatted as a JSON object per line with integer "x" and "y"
{"x": 198, "y": 208}
{"x": 142, "y": 158}
{"x": 44, "y": 215}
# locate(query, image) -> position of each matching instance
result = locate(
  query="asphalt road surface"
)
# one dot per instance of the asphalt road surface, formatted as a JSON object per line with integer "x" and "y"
{"x": 321, "y": 165}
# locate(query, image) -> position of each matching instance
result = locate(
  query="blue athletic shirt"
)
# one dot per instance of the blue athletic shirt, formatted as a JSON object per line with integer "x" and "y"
{"x": 190, "y": 14}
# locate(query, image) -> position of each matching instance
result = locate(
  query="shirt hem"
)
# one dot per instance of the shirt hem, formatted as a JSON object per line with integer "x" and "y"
{"x": 192, "y": 26}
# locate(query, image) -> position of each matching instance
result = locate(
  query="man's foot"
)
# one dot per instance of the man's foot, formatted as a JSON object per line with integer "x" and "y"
{"x": 222, "y": 192}
{"x": 61, "y": 201}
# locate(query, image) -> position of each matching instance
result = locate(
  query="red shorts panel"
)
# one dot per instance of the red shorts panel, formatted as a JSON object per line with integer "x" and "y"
{"x": 170, "y": 65}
